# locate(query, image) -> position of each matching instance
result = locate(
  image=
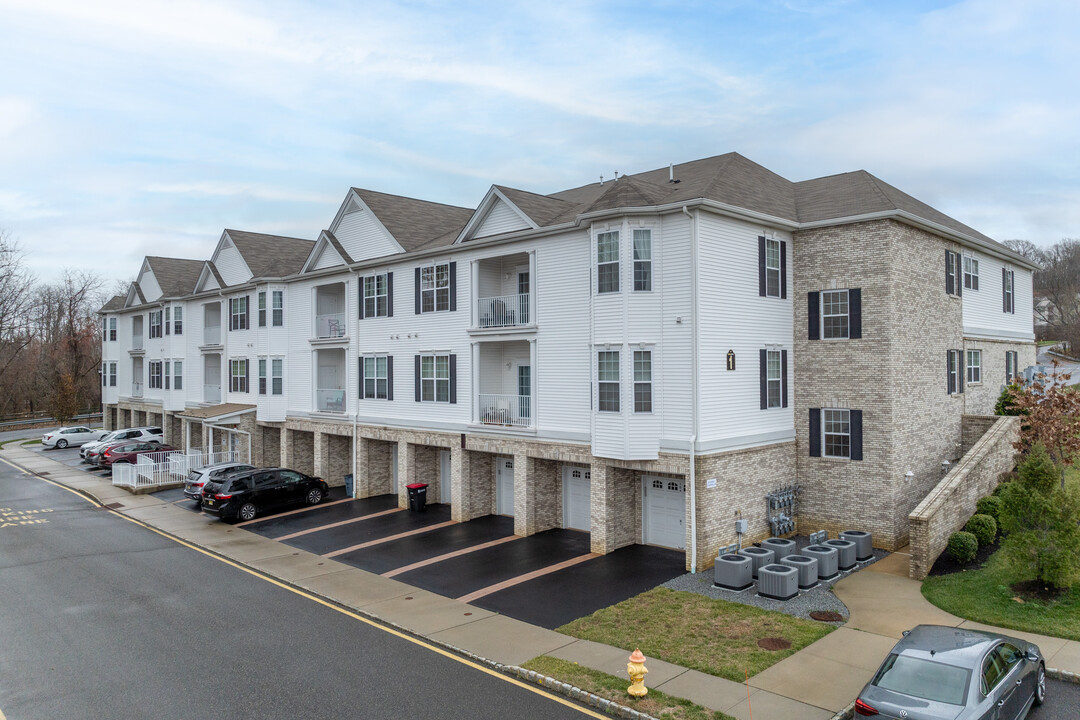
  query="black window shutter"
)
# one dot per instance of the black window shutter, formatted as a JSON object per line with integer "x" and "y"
{"x": 361, "y": 313}
{"x": 958, "y": 272}
{"x": 950, "y": 281}
{"x": 247, "y": 376}
{"x": 950, "y": 381}
{"x": 815, "y": 432}
{"x": 763, "y": 363}
{"x": 228, "y": 304}
{"x": 417, "y": 299}
{"x": 361, "y": 395}
{"x": 813, "y": 309}
{"x": 389, "y": 377}
{"x": 453, "y": 295}
{"x": 961, "y": 370}
{"x": 783, "y": 270}
{"x": 761, "y": 265}
{"x": 854, "y": 313}
{"x": 247, "y": 309}
{"x": 855, "y": 428}
{"x": 453, "y": 371}
{"x": 416, "y": 366}
{"x": 390, "y": 294}
{"x": 1004, "y": 297}
{"x": 1012, "y": 295}
{"x": 783, "y": 378}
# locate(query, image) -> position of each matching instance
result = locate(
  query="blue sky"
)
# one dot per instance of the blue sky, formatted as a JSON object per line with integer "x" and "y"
{"x": 138, "y": 127}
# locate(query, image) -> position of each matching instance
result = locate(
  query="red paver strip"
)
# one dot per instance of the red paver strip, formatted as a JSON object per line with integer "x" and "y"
{"x": 447, "y": 556}
{"x": 482, "y": 592}
{"x": 294, "y": 512}
{"x": 298, "y": 533}
{"x": 388, "y": 538}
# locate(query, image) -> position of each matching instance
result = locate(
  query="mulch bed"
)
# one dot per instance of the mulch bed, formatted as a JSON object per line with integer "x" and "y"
{"x": 945, "y": 565}
{"x": 773, "y": 643}
{"x": 826, "y": 616}
{"x": 1035, "y": 590}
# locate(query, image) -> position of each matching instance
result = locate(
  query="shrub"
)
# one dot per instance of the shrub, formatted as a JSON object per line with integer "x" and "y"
{"x": 962, "y": 547}
{"x": 989, "y": 505}
{"x": 1005, "y": 403}
{"x": 984, "y": 528}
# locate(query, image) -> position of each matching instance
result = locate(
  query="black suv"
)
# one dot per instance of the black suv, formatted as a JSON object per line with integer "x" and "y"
{"x": 244, "y": 495}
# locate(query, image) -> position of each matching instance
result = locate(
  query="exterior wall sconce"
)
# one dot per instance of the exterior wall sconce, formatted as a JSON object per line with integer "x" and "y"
{"x": 944, "y": 467}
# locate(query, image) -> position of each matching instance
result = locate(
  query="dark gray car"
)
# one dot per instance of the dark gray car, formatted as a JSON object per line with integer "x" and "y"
{"x": 948, "y": 673}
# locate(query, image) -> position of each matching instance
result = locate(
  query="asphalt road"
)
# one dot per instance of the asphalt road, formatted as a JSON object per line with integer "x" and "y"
{"x": 100, "y": 617}
{"x": 1062, "y": 702}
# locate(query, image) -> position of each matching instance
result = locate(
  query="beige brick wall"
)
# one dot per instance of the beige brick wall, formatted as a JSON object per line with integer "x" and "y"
{"x": 980, "y": 398}
{"x": 537, "y": 495}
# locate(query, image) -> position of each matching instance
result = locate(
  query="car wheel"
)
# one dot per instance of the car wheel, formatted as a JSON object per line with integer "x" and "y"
{"x": 246, "y": 512}
{"x": 1040, "y": 686}
{"x": 314, "y": 496}
{"x": 61, "y": 444}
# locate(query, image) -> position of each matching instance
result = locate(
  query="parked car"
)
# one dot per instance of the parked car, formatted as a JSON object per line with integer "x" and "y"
{"x": 244, "y": 495}
{"x": 71, "y": 436}
{"x": 196, "y": 479}
{"x": 126, "y": 452}
{"x": 946, "y": 672}
{"x": 147, "y": 434}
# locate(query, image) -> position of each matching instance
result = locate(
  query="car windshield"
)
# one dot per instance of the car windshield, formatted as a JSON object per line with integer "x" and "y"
{"x": 924, "y": 679}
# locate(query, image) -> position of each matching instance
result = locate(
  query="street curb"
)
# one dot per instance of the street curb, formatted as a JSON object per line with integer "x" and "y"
{"x": 1063, "y": 675}
{"x": 845, "y": 714}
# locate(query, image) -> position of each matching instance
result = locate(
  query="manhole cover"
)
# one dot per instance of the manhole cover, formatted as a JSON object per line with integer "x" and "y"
{"x": 773, "y": 644}
{"x": 826, "y": 616}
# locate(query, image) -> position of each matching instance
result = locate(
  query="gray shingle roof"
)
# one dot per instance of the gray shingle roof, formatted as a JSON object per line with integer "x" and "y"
{"x": 271, "y": 255}
{"x": 116, "y": 302}
{"x": 541, "y": 209}
{"x": 416, "y": 224}
{"x": 175, "y": 276}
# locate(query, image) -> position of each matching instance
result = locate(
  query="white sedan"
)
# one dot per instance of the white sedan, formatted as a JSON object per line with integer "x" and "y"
{"x": 71, "y": 436}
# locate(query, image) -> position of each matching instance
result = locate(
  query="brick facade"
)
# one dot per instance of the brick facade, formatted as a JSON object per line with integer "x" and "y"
{"x": 980, "y": 398}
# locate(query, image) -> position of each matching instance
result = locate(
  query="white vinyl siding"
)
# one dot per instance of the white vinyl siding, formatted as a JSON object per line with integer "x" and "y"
{"x": 362, "y": 236}
{"x": 983, "y": 310}
{"x": 328, "y": 257}
{"x": 231, "y": 265}
{"x": 500, "y": 219}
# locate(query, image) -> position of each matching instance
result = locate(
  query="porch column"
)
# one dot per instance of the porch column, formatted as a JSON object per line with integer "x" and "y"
{"x": 187, "y": 433}
{"x": 474, "y": 374}
{"x": 533, "y": 384}
{"x": 474, "y": 291}
{"x": 532, "y": 289}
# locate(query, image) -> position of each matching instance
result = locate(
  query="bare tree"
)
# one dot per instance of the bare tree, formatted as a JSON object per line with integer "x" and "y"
{"x": 1058, "y": 280}
{"x": 1026, "y": 248}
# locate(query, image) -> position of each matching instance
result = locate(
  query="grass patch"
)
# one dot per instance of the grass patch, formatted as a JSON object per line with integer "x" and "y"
{"x": 983, "y": 595}
{"x": 613, "y": 688}
{"x": 19, "y": 441}
{"x": 714, "y": 636}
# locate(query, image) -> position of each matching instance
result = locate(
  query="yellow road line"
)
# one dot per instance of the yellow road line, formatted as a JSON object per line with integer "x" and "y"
{"x": 326, "y": 603}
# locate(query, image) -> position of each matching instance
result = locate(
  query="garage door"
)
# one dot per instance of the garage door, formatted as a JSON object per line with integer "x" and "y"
{"x": 504, "y": 486}
{"x": 577, "y": 500}
{"x": 664, "y": 511}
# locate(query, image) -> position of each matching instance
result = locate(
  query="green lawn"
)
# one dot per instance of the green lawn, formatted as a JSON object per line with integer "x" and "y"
{"x": 656, "y": 703}
{"x": 713, "y": 636}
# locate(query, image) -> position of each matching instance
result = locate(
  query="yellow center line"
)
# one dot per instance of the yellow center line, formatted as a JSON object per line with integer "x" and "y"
{"x": 326, "y": 603}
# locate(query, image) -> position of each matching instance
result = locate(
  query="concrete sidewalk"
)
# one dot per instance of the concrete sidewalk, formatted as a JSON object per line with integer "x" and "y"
{"x": 882, "y": 600}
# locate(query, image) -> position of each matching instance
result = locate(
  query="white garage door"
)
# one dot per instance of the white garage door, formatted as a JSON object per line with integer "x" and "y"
{"x": 577, "y": 500}
{"x": 664, "y": 511}
{"x": 504, "y": 486}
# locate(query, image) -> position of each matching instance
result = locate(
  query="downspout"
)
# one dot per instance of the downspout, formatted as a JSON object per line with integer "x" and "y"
{"x": 693, "y": 387}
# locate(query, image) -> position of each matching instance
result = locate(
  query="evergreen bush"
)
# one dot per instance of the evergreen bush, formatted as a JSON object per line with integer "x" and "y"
{"x": 962, "y": 547}
{"x": 984, "y": 528}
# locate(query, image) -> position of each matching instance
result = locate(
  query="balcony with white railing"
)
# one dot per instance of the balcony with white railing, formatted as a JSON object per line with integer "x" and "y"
{"x": 503, "y": 311}
{"x": 211, "y": 393}
{"x": 136, "y": 389}
{"x": 136, "y": 342}
{"x": 502, "y": 290}
{"x": 330, "y": 326}
{"x": 505, "y": 410}
{"x": 212, "y": 335}
{"x": 330, "y": 312}
{"x": 330, "y": 400}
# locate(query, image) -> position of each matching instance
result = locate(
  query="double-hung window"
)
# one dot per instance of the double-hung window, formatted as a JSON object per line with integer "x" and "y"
{"x": 607, "y": 375}
{"x": 643, "y": 381}
{"x": 772, "y": 268}
{"x": 277, "y": 308}
{"x": 112, "y": 328}
{"x": 168, "y": 321}
{"x": 971, "y": 273}
{"x": 434, "y": 288}
{"x": 834, "y": 314}
{"x": 607, "y": 262}
{"x": 955, "y": 371}
{"x": 262, "y": 309}
{"x": 168, "y": 373}
{"x": 178, "y": 374}
{"x": 104, "y": 373}
{"x": 178, "y": 320}
{"x": 276, "y": 376}
{"x": 262, "y": 376}
{"x": 375, "y": 295}
{"x": 376, "y": 377}
{"x": 642, "y": 260}
{"x": 1008, "y": 298}
{"x": 155, "y": 374}
{"x": 155, "y": 324}
{"x": 104, "y": 329}
{"x": 112, "y": 374}
{"x": 238, "y": 313}
{"x": 238, "y": 375}
{"x": 836, "y": 432}
{"x": 954, "y": 269}
{"x": 434, "y": 378}
{"x": 774, "y": 396}
{"x": 1010, "y": 366}
{"x": 974, "y": 366}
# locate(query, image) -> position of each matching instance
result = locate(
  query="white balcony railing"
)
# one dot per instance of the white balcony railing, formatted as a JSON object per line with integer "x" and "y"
{"x": 503, "y": 311}
{"x": 136, "y": 389}
{"x": 212, "y": 335}
{"x": 330, "y": 326}
{"x": 330, "y": 400}
{"x": 136, "y": 342}
{"x": 510, "y": 410}
{"x": 211, "y": 393}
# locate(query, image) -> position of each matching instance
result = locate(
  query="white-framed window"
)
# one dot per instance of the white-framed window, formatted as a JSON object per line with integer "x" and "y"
{"x": 238, "y": 375}
{"x": 178, "y": 374}
{"x": 112, "y": 328}
{"x": 262, "y": 309}
{"x": 262, "y": 376}
{"x": 112, "y": 374}
{"x": 375, "y": 295}
{"x": 955, "y": 371}
{"x": 834, "y": 314}
{"x": 607, "y": 375}
{"x": 607, "y": 262}
{"x": 1008, "y": 278}
{"x": 155, "y": 324}
{"x": 104, "y": 374}
{"x": 435, "y": 288}
{"x": 238, "y": 313}
{"x": 277, "y": 386}
{"x": 155, "y": 374}
{"x": 277, "y": 308}
{"x": 375, "y": 378}
{"x": 178, "y": 320}
{"x": 971, "y": 273}
{"x": 774, "y": 395}
{"x": 168, "y": 321}
{"x": 974, "y": 366}
{"x": 1010, "y": 366}
{"x": 836, "y": 432}
{"x": 168, "y": 374}
{"x": 772, "y": 268}
{"x": 104, "y": 329}
{"x": 954, "y": 271}
{"x": 642, "y": 260}
{"x": 643, "y": 381}
{"x": 434, "y": 378}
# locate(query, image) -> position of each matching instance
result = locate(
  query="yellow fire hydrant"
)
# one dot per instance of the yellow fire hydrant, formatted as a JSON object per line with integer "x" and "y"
{"x": 636, "y": 670}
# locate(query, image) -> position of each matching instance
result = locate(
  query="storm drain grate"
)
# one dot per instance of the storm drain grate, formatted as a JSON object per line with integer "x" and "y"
{"x": 111, "y": 506}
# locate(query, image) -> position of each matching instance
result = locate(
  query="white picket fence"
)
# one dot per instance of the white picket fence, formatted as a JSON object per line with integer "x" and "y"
{"x": 165, "y": 468}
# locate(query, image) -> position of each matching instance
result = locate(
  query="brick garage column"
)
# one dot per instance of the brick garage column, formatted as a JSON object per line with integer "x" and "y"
{"x": 406, "y": 470}
{"x": 602, "y": 501}
{"x": 362, "y": 478}
{"x": 462, "y": 491}
{"x": 524, "y": 496}
{"x": 322, "y": 464}
{"x": 286, "y": 447}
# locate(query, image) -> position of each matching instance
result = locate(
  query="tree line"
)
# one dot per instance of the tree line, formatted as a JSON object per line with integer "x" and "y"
{"x": 1057, "y": 286}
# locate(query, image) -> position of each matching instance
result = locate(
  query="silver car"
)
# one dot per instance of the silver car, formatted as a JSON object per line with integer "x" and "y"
{"x": 197, "y": 478}
{"x": 939, "y": 672}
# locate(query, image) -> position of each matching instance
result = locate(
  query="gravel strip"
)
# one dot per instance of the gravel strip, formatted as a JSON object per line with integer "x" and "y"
{"x": 820, "y": 597}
